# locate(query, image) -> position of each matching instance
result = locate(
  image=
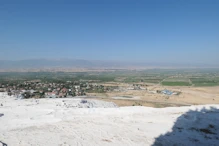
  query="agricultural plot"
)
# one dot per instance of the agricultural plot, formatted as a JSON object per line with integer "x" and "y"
{"x": 176, "y": 82}
{"x": 205, "y": 81}
{"x": 154, "y": 80}
{"x": 165, "y": 83}
{"x": 143, "y": 79}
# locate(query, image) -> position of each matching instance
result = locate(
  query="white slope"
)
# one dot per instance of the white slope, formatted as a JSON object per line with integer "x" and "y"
{"x": 52, "y": 122}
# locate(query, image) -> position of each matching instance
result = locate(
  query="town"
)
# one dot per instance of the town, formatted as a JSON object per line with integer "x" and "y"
{"x": 38, "y": 89}
{"x": 53, "y": 89}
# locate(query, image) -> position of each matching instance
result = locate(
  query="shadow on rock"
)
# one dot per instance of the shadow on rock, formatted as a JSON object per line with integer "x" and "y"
{"x": 3, "y": 144}
{"x": 194, "y": 128}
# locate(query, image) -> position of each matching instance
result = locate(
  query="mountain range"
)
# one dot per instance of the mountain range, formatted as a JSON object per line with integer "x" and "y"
{"x": 80, "y": 63}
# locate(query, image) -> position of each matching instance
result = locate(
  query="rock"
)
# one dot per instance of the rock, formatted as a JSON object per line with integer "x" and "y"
{"x": 78, "y": 103}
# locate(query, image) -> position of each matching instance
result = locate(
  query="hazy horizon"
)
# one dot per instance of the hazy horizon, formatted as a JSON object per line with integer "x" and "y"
{"x": 179, "y": 32}
{"x": 82, "y": 63}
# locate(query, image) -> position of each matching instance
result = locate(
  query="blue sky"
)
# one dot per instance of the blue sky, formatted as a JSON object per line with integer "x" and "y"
{"x": 184, "y": 31}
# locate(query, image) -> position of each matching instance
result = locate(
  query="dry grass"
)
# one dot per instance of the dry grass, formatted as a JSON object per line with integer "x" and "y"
{"x": 189, "y": 96}
{"x": 125, "y": 102}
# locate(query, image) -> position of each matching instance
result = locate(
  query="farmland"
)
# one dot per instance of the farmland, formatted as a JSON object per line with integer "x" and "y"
{"x": 166, "y": 77}
{"x": 176, "y": 83}
{"x": 128, "y": 87}
{"x": 205, "y": 81}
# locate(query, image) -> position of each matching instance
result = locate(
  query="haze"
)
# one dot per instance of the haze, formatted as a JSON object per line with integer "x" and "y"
{"x": 135, "y": 31}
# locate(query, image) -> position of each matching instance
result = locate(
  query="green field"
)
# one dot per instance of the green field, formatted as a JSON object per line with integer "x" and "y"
{"x": 166, "y": 83}
{"x": 145, "y": 80}
{"x": 167, "y": 77}
{"x": 205, "y": 81}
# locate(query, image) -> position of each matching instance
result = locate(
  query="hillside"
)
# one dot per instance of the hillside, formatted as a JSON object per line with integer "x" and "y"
{"x": 45, "y": 122}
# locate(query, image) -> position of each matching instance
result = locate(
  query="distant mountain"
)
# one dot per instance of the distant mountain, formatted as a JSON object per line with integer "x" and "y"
{"x": 79, "y": 63}
{"x": 43, "y": 63}
{"x": 49, "y": 63}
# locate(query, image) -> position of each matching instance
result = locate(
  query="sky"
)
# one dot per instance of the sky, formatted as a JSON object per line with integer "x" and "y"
{"x": 180, "y": 31}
